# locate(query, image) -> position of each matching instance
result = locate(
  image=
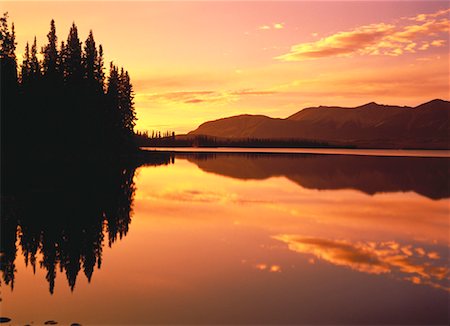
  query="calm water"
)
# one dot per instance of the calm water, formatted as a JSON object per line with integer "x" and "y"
{"x": 232, "y": 239}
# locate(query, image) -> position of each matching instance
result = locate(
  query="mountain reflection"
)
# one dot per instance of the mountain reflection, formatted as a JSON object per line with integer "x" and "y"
{"x": 59, "y": 214}
{"x": 369, "y": 174}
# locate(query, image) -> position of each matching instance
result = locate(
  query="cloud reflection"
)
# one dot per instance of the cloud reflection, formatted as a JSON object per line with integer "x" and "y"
{"x": 402, "y": 261}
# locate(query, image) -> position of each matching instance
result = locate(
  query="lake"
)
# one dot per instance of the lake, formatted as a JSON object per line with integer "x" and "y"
{"x": 230, "y": 238}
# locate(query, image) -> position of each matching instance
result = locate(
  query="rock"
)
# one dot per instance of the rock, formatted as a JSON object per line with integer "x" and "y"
{"x": 50, "y": 322}
{"x": 5, "y": 320}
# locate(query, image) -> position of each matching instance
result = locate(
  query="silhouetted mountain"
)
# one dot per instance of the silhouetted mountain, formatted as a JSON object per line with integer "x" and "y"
{"x": 369, "y": 174}
{"x": 371, "y": 125}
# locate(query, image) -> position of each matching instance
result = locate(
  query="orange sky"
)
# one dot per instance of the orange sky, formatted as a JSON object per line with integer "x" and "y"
{"x": 195, "y": 61}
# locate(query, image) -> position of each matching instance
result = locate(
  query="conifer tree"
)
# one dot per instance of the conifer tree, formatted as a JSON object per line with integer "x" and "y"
{"x": 113, "y": 97}
{"x": 62, "y": 61}
{"x": 72, "y": 57}
{"x": 25, "y": 68}
{"x": 7, "y": 38}
{"x": 90, "y": 59}
{"x": 99, "y": 69}
{"x": 50, "y": 52}
{"x": 35, "y": 67}
{"x": 113, "y": 82}
{"x": 126, "y": 101}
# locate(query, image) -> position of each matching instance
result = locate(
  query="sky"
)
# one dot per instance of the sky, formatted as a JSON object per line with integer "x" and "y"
{"x": 191, "y": 62}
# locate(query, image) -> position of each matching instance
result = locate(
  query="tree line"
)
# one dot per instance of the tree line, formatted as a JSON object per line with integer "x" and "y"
{"x": 63, "y": 102}
{"x": 143, "y": 140}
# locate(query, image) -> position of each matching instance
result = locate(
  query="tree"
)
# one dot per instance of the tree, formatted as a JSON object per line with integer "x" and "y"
{"x": 99, "y": 74}
{"x": 50, "y": 52}
{"x": 113, "y": 84}
{"x": 72, "y": 57}
{"x": 90, "y": 59}
{"x": 74, "y": 113}
{"x": 35, "y": 67}
{"x": 112, "y": 94}
{"x": 62, "y": 61}
{"x": 7, "y": 39}
{"x": 25, "y": 72}
{"x": 126, "y": 103}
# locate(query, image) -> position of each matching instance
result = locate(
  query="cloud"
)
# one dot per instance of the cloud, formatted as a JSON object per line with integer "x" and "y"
{"x": 272, "y": 26}
{"x": 268, "y": 268}
{"x": 278, "y": 26}
{"x": 191, "y": 97}
{"x": 252, "y": 92}
{"x": 196, "y": 97}
{"x": 390, "y": 257}
{"x": 204, "y": 196}
{"x": 191, "y": 195}
{"x": 424, "y": 17}
{"x": 339, "y": 44}
{"x": 438, "y": 43}
{"x": 374, "y": 39}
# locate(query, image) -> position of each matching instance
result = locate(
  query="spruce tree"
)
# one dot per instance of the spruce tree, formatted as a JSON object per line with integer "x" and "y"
{"x": 7, "y": 39}
{"x": 72, "y": 57}
{"x": 126, "y": 102}
{"x": 35, "y": 67}
{"x": 99, "y": 73}
{"x": 90, "y": 59}
{"x": 50, "y": 52}
{"x": 25, "y": 69}
{"x": 62, "y": 61}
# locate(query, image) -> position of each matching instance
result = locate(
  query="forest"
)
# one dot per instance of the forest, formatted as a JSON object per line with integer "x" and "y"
{"x": 143, "y": 139}
{"x": 59, "y": 102}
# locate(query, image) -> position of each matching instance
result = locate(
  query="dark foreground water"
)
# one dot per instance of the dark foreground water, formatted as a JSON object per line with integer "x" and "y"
{"x": 231, "y": 239}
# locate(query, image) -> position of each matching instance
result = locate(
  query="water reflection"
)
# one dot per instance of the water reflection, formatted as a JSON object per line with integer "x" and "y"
{"x": 369, "y": 174}
{"x": 242, "y": 245}
{"x": 62, "y": 213}
{"x": 407, "y": 262}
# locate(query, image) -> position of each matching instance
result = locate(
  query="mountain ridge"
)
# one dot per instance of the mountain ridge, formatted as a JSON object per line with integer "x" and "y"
{"x": 369, "y": 125}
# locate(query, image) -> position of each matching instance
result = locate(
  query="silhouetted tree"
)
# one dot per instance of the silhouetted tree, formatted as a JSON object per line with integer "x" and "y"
{"x": 50, "y": 52}
{"x": 72, "y": 57}
{"x": 7, "y": 38}
{"x": 90, "y": 58}
{"x": 99, "y": 73}
{"x": 63, "y": 104}
{"x": 25, "y": 73}
{"x": 35, "y": 67}
{"x": 9, "y": 118}
{"x": 126, "y": 103}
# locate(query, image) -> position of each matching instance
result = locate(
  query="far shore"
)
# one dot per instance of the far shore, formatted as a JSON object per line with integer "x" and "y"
{"x": 443, "y": 153}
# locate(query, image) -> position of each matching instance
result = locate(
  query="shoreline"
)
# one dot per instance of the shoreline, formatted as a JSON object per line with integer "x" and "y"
{"x": 441, "y": 153}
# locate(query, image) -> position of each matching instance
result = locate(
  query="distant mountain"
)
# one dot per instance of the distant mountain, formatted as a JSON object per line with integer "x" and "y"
{"x": 369, "y": 174}
{"x": 371, "y": 125}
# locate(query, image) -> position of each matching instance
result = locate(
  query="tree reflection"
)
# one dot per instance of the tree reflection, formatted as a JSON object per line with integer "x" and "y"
{"x": 59, "y": 214}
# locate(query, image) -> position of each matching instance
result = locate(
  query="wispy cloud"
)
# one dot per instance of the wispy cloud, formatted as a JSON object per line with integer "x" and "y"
{"x": 196, "y": 97}
{"x": 424, "y": 17}
{"x": 264, "y": 27}
{"x": 375, "y": 39}
{"x": 406, "y": 262}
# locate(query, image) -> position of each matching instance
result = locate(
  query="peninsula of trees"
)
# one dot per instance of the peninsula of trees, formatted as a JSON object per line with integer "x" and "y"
{"x": 63, "y": 103}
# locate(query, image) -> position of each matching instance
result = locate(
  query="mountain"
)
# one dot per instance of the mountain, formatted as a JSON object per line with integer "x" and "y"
{"x": 371, "y": 125}
{"x": 426, "y": 176}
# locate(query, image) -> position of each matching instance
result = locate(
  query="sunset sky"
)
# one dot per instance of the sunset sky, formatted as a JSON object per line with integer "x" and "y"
{"x": 195, "y": 61}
